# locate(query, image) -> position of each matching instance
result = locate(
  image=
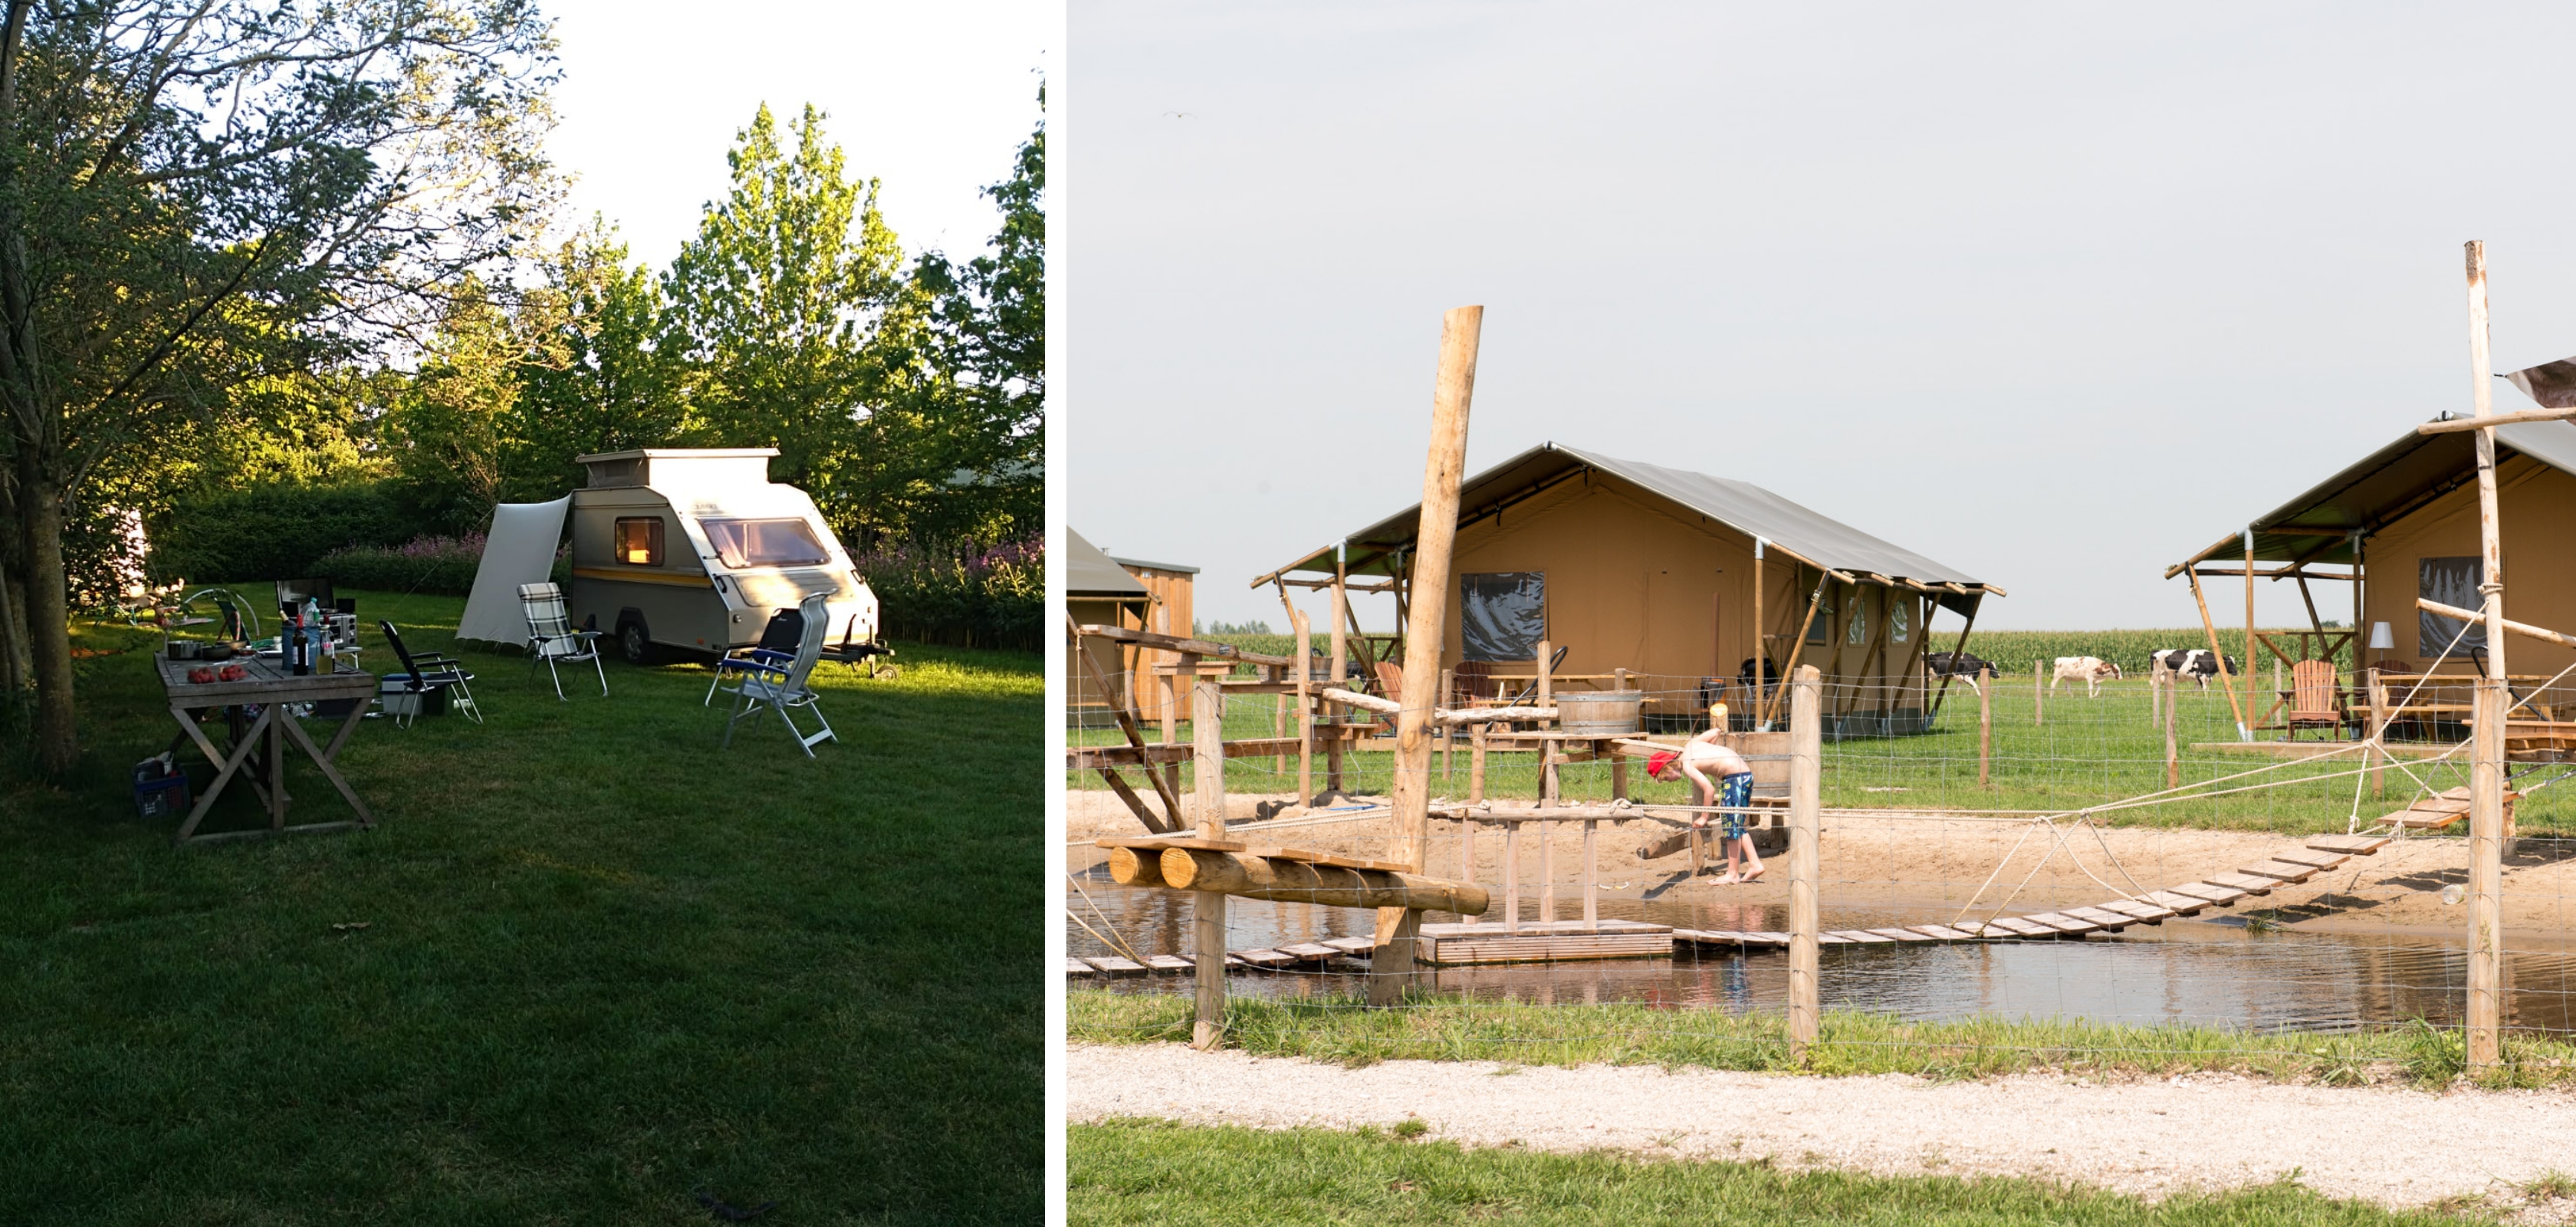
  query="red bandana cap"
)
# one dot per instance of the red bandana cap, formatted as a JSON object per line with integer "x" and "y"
{"x": 1660, "y": 759}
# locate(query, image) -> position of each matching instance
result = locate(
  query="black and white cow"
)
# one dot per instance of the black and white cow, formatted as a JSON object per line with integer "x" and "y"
{"x": 1961, "y": 665}
{"x": 2198, "y": 664}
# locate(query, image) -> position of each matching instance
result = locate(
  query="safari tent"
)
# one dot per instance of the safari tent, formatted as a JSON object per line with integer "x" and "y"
{"x": 2401, "y": 523}
{"x": 1669, "y": 575}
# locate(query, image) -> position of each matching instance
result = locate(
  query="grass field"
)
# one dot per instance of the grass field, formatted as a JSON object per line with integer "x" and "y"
{"x": 2068, "y": 752}
{"x": 1145, "y": 1171}
{"x": 1345, "y": 1031}
{"x": 588, "y": 967}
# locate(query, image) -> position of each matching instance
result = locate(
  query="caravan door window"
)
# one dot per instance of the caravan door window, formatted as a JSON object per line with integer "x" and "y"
{"x": 765, "y": 543}
{"x": 639, "y": 541}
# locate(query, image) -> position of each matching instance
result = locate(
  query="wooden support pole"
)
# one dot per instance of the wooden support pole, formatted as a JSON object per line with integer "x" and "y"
{"x": 1512, "y": 878}
{"x": 1806, "y": 796}
{"x": 2486, "y": 766}
{"x": 2226, "y": 684}
{"x": 2038, "y": 694}
{"x": 2249, "y": 632}
{"x": 1761, "y": 640}
{"x": 1341, "y": 665}
{"x": 1546, "y": 749}
{"x": 1305, "y": 709}
{"x": 1424, "y": 610}
{"x": 1985, "y": 723}
{"x": 1798, "y": 645}
{"x": 1207, "y": 735}
{"x": 2378, "y": 737}
{"x": 1448, "y": 735}
{"x": 1591, "y": 873}
{"x": 1546, "y": 872}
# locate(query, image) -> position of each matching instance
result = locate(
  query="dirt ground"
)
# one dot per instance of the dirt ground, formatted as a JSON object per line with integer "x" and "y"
{"x": 2398, "y": 1147}
{"x": 2015, "y": 866}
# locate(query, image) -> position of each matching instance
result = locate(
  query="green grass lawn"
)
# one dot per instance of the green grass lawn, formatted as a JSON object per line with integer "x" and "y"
{"x": 587, "y": 966}
{"x": 2079, "y": 752}
{"x": 1144, "y": 1171}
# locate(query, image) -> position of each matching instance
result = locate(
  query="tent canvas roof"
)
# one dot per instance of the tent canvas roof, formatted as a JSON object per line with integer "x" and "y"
{"x": 1090, "y": 573}
{"x": 2382, "y": 488}
{"x": 1742, "y": 506}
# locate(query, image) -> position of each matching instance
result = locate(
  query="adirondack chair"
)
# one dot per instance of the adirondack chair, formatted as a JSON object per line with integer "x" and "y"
{"x": 552, "y": 639}
{"x": 781, "y": 686}
{"x": 1390, "y": 685}
{"x": 2313, "y": 703}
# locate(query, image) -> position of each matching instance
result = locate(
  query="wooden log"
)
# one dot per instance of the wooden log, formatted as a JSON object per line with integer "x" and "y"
{"x": 2486, "y": 421}
{"x": 1341, "y": 664}
{"x": 1257, "y": 877}
{"x": 1305, "y": 706}
{"x": 1179, "y": 644}
{"x": 1207, "y": 728}
{"x": 1136, "y": 867}
{"x": 2244, "y": 719}
{"x": 1476, "y": 764}
{"x": 1805, "y": 799}
{"x": 1081, "y": 758}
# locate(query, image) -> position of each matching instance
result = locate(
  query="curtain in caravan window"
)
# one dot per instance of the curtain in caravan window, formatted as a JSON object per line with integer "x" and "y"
{"x": 2453, "y": 582}
{"x": 1502, "y": 615}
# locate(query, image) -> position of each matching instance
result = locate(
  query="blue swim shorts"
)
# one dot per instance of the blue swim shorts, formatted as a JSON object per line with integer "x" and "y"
{"x": 1734, "y": 792}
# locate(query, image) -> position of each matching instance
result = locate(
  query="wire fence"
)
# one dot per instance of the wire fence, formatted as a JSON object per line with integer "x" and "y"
{"x": 2019, "y": 869}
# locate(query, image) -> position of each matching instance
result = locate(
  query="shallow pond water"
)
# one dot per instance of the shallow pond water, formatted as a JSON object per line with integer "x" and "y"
{"x": 2211, "y": 971}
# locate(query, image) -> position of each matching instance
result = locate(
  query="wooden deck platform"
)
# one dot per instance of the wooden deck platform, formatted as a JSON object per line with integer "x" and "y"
{"x": 1450, "y": 945}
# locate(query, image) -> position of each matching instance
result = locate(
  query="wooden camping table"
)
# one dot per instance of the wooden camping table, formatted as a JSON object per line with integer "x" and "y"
{"x": 270, "y": 687}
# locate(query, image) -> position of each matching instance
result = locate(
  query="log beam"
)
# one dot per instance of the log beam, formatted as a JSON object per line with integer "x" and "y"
{"x": 1261, "y": 877}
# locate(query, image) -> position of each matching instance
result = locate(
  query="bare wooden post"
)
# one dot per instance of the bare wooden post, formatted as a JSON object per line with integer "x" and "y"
{"x": 1761, "y": 639}
{"x": 2038, "y": 694}
{"x": 1278, "y": 731}
{"x": 2250, "y": 704}
{"x": 2378, "y": 737}
{"x": 1591, "y": 873}
{"x": 1806, "y": 796}
{"x": 1476, "y": 764}
{"x": 1448, "y": 732}
{"x": 1511, "y": 877}
{"x": 1546, "y": 747}
{"x": 1335, "y": 713}
{"x": 1546, "y": 871}
{"x": 1207, "y": 737}
{"x": 1305, "y": 709}
{"x": 1985, "y": 723}
{"x": 1426, "y": 609}
{"x": 2226, "y": 679}
{"x": 2173, "y": 759}
{"x": 2486, "y": 767}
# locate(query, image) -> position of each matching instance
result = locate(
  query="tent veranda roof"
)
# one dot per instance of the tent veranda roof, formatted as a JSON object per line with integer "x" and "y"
{"x": 2381, "y": 489}
{"x": 1791, "y": 529}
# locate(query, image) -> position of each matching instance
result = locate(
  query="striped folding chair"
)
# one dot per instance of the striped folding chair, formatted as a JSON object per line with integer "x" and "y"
{"x": 552, "y": 639}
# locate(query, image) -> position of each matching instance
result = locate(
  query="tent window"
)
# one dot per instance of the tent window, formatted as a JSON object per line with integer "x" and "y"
{"x": 765, "y": 543}
{"x": 639, "y": 541}
{"x": 1502, "y": 615}
{"x": 1821, "y": 627}
{"x": 2453, "y": 582}
{"x": 1859, "y": 631}
{"x": 1900, "y": 618}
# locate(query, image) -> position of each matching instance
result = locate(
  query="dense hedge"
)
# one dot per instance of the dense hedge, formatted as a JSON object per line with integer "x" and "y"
{"x": 272, "y": 532}
{"x": 425, "y": 564}
{"x": 960, "y": 593}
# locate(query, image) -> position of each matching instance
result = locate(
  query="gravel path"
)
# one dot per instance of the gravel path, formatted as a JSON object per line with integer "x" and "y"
{"x": 2396, "y": 1147}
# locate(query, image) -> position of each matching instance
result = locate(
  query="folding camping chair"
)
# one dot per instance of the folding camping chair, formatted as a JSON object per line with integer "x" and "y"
{"x": 423, "y": 675}
{"x": 552, "y": 639}
{"x": 777, "y": 646}
{"x": 780, "y": 686}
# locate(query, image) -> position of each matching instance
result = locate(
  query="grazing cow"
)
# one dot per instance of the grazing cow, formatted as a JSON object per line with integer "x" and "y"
{"x": 1961, "y": 665}
{"x": 2090, "y": 670}
{"x": 1771, "y": 678}
{"x": 2198, "y": 664}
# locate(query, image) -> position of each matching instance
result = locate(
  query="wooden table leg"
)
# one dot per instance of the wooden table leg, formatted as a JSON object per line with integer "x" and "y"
{"x": 225, "y": 767}
{"x": 1618, "y": 774}
{"x": 1591, "y": 874}
{"x": 329, "y": 772}
{"x": 277, "y": 719}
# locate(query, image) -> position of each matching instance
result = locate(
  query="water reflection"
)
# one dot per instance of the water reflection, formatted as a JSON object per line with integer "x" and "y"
{"x": 2182, "y": 971}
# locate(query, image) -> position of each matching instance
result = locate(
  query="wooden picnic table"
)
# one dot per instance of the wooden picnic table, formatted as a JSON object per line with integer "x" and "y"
{"x": 271, "y": 688}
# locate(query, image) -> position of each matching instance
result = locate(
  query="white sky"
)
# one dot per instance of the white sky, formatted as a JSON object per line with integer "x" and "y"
{"x": 2054, "y": 294}
{"x": 932, "y": 99}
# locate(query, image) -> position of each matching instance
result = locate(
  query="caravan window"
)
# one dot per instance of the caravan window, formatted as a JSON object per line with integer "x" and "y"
{"x": 639, "y": 541}
{"x": 765, "y": 543}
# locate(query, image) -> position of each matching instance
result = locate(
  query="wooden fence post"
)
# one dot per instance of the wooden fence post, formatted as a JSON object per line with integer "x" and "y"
{"x": 1806, "y": 789}
{"x": 2486, "y": 766}
{"x": 2378, "y": 737}
{"x": 2038, "y": 694}
{"x": 1207, "y": 735}
{"x": 1985, "y": 722}
{"x": 2173, "y": 760}
{"x": 1305, "y": 710}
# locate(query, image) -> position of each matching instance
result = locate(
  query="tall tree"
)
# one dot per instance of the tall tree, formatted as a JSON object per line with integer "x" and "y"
{"x": 598, "y": 378}
{"x": 197, "y": 192}
{"x": 992, "y": 355}
{"x": 774, "y": 304}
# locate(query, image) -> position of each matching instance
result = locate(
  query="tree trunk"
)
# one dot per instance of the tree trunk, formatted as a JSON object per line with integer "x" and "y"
{"x": 40, "y": 509}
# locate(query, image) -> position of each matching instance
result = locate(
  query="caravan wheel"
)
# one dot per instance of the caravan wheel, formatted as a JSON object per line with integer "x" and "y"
{"x": 635, "y": 644}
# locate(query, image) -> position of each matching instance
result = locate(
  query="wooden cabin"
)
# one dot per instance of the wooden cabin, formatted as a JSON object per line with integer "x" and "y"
{"x": 1673, "y": 577}
{"x": 1097, "y": 591}
{"x": 2402, "y": 523}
